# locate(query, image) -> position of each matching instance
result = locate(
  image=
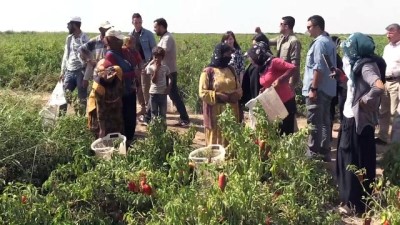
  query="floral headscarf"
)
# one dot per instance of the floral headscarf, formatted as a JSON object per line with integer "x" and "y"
{"x": 259, "y": 53}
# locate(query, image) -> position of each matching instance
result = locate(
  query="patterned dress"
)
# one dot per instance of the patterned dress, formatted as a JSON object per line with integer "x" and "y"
{"x": 105, "y": 105}
{"x": 237, "y": 62}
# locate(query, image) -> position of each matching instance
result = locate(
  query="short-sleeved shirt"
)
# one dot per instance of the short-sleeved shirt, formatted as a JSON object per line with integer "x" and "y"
{"x": 167, "y": 42}
{"x": 160, "y": 86}
{"x": 323, "y": 44}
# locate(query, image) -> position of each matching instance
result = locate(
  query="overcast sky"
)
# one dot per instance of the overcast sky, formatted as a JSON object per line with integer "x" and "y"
{"x": 201, "y": 16}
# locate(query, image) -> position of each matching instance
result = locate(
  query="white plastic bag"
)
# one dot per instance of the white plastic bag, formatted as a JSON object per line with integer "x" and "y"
{"x": 271, "y": 103}
{"x": 170, "y": 105}
{"x": 57, "y": 98}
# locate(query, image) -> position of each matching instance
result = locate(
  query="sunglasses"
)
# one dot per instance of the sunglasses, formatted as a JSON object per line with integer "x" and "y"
{"x": 283, "y": 24}
{"x": 308, "y": 27}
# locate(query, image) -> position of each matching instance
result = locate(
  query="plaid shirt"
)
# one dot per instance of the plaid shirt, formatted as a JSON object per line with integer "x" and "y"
{"x": 96, "y": 49}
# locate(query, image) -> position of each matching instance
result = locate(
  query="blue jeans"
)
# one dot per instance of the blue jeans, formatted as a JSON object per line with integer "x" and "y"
{"x": 318, "y": 115}
{"x": 176, "y": 99}
{"x": 72, "y": 80}
{"x": 158, "y": 103}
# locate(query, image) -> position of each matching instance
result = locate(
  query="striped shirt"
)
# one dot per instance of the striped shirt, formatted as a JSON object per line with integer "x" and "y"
{"x": 71, "y": 60}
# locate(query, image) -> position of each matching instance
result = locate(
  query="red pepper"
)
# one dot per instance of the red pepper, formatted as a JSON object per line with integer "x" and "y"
{"x": 23, "y": 199}
{"x": 132, "y": 186}
{"x": 222, "y": 181}
{"x": 268, "y": 221}
{"x": 146, "y": 189}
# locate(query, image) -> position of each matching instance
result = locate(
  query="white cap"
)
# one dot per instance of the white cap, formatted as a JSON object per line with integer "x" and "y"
{"x": 75, "y": 19}
{"x": 115, "y": 33}
{"x": 106, "y": 25}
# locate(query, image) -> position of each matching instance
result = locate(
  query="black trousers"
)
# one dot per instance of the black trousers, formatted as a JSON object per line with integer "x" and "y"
{"x": 129, "y": 114}
{"x": 287, "y": 125}
{"x": 358, "y": 150}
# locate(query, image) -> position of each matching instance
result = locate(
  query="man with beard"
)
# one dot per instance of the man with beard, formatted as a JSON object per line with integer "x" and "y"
{"x": 93, "y": 51}
{"x": 72, "y": 67}
{"x": 167, "y": 42}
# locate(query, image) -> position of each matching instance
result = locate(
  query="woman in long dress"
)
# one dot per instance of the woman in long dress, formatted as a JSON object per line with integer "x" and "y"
{"x": 105, "y": 100}
{"x": 218, "y": 87}
{"x": 356, "y": 144}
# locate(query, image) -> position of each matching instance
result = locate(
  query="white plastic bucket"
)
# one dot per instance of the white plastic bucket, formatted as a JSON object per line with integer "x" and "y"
{"x": 202, "y": 157}
{"x": 216, "y": 154}
{"x": 104, "y": 147}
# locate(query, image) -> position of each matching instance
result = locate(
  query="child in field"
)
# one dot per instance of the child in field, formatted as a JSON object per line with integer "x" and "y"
{"x": 159, "y": 88}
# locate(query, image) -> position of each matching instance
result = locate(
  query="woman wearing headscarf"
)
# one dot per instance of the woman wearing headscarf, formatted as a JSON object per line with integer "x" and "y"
{"x": 275, "y": 72}
{"x": 218, "y": 88}
{"x": 105, "y": 100}
{"x": 356, "y": 144}
{"x": 251, "y": 79}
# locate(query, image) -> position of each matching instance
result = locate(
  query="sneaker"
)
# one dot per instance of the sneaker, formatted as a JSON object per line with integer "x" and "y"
{"x": 311, "y": 154}
{"x": 141, "y": 118}
{"x": 182, "y": 123}
{"x": 379, "y": 141}
{"x": 344, "y": 210}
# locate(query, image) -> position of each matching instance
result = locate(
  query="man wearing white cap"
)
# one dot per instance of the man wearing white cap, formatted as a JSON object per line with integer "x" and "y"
{"x": 72, "y": 67}
{"x": 93, "y": 51}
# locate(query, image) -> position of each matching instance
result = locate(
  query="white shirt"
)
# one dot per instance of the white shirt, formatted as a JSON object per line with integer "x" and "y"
{"x": 347, "y": 109}
{"x": 391, "y": 55}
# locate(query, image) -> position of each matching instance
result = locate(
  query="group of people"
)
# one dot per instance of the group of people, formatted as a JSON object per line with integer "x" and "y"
{"x": 124, "y": 69}
{"x": 365, "y": 85}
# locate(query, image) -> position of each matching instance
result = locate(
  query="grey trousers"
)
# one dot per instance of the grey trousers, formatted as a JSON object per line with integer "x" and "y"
{"x": 318, "y": 116}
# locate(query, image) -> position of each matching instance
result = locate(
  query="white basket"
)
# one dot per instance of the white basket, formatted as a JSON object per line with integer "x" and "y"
{"x": 104, "y": 147}
{"x": 205, "y": 174}
{"x": 49, "y": 115}
{"x": 271, "y": 103}
{"x": 217, "y": 154}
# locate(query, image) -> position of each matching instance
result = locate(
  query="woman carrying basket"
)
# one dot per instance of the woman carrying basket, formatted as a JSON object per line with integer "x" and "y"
{"x": 275, "y": 72}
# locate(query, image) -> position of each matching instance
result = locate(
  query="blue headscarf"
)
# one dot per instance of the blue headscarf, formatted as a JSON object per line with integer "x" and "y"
{"x": 356, "y": 47}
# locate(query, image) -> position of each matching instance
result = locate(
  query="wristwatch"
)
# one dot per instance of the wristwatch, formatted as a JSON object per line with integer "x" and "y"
{"x": 313, "y": 89}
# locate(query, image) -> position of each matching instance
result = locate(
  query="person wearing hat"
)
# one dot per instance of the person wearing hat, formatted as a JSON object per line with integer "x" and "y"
{"x": 93, "y": 51}
{"x": 105, "y": 100}
{"x": 119, "y": 56}
{"x": 72, "y": 67}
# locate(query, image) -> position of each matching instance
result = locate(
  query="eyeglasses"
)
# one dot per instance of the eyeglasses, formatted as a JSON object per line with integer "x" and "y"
{"x": 308, "y": 27}
{"x": 283, "y": 24}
